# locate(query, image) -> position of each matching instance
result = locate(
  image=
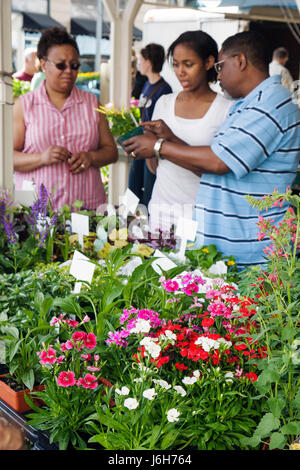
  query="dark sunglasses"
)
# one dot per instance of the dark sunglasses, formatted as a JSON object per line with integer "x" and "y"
{"x": 62, "y": 65}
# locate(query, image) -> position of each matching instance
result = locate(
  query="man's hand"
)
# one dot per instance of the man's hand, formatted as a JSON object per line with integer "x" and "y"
{"x": 141, "y": 145}
{"x": 159, "y": 128}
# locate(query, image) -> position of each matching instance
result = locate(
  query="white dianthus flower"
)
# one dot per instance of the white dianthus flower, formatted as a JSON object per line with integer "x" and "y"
{"x": 173, "y": 415}
{"x": 189, "y": 380}
{"x": 207, "y": 343}
{"x": 151, "y": 347}
{"x": 141, "y": 326}
{"x": 149, "y": 393}
{"x": 123, "y": 391}
{"x": 162, "y": 383}
{"x": 229, "y": 376}
{"x": 179, "y": 389}
{"x": 131, "y": 403}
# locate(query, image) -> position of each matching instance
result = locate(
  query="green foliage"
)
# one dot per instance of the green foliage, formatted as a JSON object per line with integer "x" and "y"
{"x": 276, "y": 288}
{"x": 20, "y": 87}
{"x": 121, "y": 121}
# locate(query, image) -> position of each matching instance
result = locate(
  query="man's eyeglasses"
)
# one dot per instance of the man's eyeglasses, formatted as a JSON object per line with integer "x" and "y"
{"x": 218, "y": 66}
{"x": 63, "y": 66}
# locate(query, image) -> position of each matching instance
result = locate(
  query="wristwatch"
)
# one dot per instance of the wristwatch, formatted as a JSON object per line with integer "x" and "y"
{"x": 157, "y": 147}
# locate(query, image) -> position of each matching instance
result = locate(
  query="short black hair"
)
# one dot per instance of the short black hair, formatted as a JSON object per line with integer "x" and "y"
{"x": 54, "y": 37}
{"x": 156, "y": 54}
{"x": 280, "y": 53}
{"x": 253, "y": 45}
{"x": 204, "y": 46}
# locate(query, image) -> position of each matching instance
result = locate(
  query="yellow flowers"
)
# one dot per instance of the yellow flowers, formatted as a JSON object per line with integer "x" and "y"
{"x": 119, "y": 237}
{"x": 189, "y": 245}
{"x": 205, "y": 250}
{"x": 144, "y": 250}
{"x": 121, "y": 234}
{"x": 230, "y": 263}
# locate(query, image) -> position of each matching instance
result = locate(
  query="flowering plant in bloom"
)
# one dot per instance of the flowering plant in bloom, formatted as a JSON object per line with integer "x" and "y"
{"x": 133, "y": 321}
{"x": 71, "y": 371}
{"x": 39, "y": 222}
{"x": 152, "y": 412}
{"x": 121, "y": 121}
{"x": 211, "y": 326}
{"x": 27, "y": 234}
{"x": 276, "y": 288}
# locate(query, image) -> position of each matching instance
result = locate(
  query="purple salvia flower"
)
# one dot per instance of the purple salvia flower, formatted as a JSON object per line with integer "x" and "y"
{"x": 4, "y": 220}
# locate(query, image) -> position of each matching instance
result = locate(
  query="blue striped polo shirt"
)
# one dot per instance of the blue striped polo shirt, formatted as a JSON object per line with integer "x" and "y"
{"x": 260, "y": 142}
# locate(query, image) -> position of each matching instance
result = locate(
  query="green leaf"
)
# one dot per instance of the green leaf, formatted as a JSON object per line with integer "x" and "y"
{"x": 101, "y": 439}
{"x": 293, "y": 427}
{"x": 251, "y": 441}
{"x": 277, "y": 441}
{"x": 112, "y": 294}
{"x": 288, "y": 332}
{"x": 168, "y": 440}
{"x": 68, "y": 305}
{"x": 296, "y": 400}
{"x": 110, "y": 422}
{"x": 14, "y": 349}
{"x": 11, "y": 330}
{"x": 155, "y": 433}
{"x": 267, "y": 424}
{"x": 276, "y": 406}
{"x": 28, "y": 379}
{"x": 268, "y": 376}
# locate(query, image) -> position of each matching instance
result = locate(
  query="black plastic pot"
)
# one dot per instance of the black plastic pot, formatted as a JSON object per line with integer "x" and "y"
{"x": 39, "y": 440}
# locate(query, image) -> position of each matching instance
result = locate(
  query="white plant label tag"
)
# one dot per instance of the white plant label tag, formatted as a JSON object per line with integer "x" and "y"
{"x": 80, "y": 225}
{"x": 185, "y": 230}
{"x": 162, "y": 263}
{"x": 130, "y": 202}
{"x": 82, "y": 269}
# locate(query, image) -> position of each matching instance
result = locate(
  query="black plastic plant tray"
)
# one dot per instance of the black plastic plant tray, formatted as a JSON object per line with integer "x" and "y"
{"x": 39, "y": 440}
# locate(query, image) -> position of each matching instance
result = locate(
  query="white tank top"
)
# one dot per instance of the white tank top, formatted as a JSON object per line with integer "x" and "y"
{"x": 175, "y": 189}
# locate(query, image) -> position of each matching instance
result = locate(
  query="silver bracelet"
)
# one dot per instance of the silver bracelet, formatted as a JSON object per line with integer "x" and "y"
{"x": 157, "y": 147}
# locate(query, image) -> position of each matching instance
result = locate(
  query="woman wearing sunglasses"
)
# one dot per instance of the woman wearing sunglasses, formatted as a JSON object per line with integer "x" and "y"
{"x": 59, "y": 138}
{"x": 194, "y": 115}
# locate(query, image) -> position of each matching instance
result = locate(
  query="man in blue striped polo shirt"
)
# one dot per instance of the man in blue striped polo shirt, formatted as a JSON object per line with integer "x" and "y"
{"x": 260, "y": 143}
{"x": 256, "y": 150}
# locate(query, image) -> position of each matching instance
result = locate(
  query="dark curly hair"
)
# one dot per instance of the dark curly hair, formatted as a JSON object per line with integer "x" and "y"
{"x": 200, "y": 42}
{"x": 54, "y": 37}
{"x": 156, "y": 54}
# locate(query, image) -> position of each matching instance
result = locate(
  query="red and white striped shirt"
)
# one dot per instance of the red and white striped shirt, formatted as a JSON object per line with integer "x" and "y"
{"x": 75, "y": 127}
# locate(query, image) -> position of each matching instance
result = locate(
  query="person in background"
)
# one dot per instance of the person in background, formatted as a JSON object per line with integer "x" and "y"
{"x": 31, "y": 66}
{"x": 255, "y": 151}
{"x": 60, "y": 140}
{"x": 137, "y": 79}
{"x": 194, "y": 115}
{"x": 152, "y": 58}
{"x": 278, "y": 67}
{"x": 37, "y": 79}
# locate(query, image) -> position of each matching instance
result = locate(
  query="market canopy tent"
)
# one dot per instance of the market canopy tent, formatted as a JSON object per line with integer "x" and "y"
{"x": 87, "y": 27}
{"x": 38, "y": 22}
